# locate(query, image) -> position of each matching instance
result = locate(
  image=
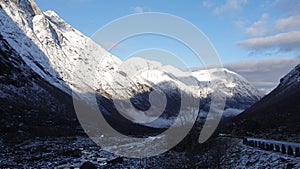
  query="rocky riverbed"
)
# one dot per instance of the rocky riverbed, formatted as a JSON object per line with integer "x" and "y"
{"x": 68, "y": 152}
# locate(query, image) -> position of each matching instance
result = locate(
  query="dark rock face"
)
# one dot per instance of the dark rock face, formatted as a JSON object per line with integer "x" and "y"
{"x": 88, "y": 165}
{"x": 297, "y": 152}
{"x": 30, "y": 106}
{"x": 116, "y": 160}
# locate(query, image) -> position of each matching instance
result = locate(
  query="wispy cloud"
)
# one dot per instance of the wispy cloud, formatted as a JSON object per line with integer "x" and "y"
{"x": 260, "y": 27}
{"x": 138, "y": 9}
{"x": 289, "y": 23}
{"x": 281, "y": 34}
{"x": 239, "y": 23}
{"x": 230, "y": 6}
{"x": 207, "y": 4}
{"x": 264, "y": 74}
{"x": 283, "y": 42}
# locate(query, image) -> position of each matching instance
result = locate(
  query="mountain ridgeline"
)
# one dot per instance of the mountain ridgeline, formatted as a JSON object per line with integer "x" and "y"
{"x": 40, "y": 56}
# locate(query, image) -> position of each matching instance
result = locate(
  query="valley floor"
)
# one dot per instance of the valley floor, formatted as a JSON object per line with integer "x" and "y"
{"x": 74, "y": 151}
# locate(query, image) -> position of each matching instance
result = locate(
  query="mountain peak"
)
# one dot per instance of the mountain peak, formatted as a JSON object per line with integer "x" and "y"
{"x": 27, "y": 6}
{"x": 34, "y": 7}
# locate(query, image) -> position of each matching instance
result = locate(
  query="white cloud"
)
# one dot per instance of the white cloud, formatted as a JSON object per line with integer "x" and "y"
{"x": 281, "y": 34}
{"x": 138, "y": 9}
{"x": 264, "y": 74}
{"x": 260, "y": 27}
{"x": 207, "y": 4}
{"x": 289, "y": 23}
{"x": 282, "y": 42}
{"x": 229, "y": 6}
{"x": 239, "y": 23}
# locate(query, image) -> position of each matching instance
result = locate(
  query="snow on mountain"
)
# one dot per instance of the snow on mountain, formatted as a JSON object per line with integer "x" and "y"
{"x": 232, "y": 85}
{"x": 69, "y": 60}
{"x": 30, "y": 105}
{"x": 63, "y": 47}
{"x": 197, "y": 83}
{"x": 240, "y": 94}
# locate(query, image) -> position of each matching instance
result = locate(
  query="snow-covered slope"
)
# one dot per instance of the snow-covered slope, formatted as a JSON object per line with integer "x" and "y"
{"x": 67, "y": 59}
{"x": 232, "y": 85}
{"x": 63, "y": 48}
{"x": 240, "y": 94}
{"x": 30, "y": 106}
{"x": 197, "y": 85}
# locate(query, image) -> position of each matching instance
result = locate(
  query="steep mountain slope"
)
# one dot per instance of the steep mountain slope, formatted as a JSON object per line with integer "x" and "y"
{"x": 275, "y": 116}
{"x": 30, "y": 106}
{"x": 64, "y": 58}
{"x": 63, "y": 48}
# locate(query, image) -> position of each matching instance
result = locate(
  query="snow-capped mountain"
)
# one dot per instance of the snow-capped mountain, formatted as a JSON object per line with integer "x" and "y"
{"x": 240, "y": 94}
{"x": 63, "y": 48}
{"x": 66, "y": 59}
{"x": 197, "y": 84}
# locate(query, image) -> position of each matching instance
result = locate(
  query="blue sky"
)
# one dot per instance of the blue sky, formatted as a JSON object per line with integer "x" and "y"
{"x": 229, "y": 24}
